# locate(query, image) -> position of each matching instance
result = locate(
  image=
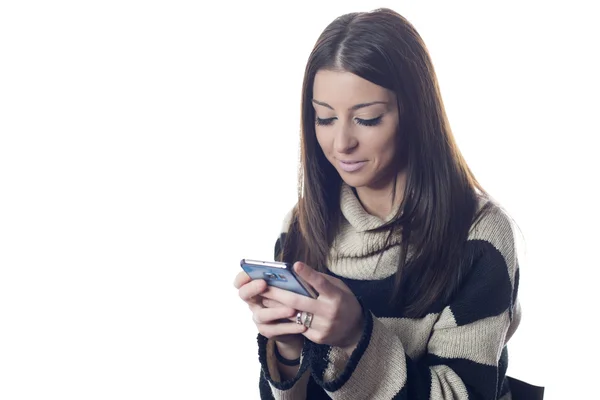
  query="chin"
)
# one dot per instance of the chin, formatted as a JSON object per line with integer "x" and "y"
{"x": 355, "y": 181}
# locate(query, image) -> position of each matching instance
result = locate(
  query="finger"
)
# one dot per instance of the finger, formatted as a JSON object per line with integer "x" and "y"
{"x": 316, "y": 279}
{"x": 313, "y": 325}
{"x": 315, "y": 335}
{"x": 269, "y": 315}
{"x": 241, "y": 279}
{"x": 291, "y": 299}
{"x": 254, "y": 307}
{"x": 280, "y": 329}
{"x": 252, "y": 289}
{"x": 271, "y": 303}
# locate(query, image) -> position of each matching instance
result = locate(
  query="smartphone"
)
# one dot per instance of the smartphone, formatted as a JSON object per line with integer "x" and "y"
{"x": 278, "y": 274}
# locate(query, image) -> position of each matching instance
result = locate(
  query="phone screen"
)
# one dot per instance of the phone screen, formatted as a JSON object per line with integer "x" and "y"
{"x": 282, "y": 278}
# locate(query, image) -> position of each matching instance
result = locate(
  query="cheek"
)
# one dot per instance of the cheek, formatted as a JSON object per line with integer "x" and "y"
{"x": 385, "y": 148}
{"x": 385, "y": 159}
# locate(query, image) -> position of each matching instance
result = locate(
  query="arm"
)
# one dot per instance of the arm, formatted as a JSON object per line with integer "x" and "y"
{"x": 465, "y": 356}
{"x": 278, "y": 381}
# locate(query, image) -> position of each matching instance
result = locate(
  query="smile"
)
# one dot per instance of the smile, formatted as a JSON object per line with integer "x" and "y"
{"x": 351, "y": 166}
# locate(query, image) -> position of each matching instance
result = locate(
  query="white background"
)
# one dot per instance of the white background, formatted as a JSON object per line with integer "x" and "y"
{"x": 146, "y": 147}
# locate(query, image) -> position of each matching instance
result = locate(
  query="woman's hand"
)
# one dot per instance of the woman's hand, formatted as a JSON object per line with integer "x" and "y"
{"x": 337, "y": 314}
{"x": 272, "y": 318}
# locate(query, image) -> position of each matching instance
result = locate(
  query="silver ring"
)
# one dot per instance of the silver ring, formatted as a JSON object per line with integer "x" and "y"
{"x": 307, "y": 319}
{"x": 299, "y": 318}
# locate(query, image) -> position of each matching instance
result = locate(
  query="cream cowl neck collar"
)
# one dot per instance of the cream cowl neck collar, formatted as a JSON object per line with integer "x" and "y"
{"x": 358, "y": 252}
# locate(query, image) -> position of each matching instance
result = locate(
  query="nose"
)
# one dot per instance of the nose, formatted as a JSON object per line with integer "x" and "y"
{"x": 344, "y": 141}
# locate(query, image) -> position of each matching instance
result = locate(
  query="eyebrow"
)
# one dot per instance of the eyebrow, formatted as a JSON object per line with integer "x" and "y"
{"x": 354, "y": 107}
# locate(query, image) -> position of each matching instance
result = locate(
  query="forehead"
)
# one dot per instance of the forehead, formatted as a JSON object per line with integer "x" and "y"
{"x": 345, "y": 89}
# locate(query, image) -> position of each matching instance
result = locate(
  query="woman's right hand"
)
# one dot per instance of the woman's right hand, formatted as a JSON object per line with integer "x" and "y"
{"x": 270, "y": 317}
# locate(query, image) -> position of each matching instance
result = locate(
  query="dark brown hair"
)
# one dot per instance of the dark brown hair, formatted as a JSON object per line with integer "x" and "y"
{"x": 440, "y": 199}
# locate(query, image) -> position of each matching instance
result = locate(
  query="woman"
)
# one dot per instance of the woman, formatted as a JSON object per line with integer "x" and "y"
{"x": 414, "y": 264}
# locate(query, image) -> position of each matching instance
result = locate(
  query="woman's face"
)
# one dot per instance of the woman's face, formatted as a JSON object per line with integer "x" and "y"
{"x": 356, "y": 125}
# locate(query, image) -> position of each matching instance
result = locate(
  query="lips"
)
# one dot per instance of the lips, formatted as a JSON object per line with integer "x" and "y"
{"x": 351, "y": 166}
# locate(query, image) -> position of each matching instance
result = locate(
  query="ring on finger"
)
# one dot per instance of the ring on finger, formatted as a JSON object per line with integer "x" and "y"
{"x": 307, "y": 319}
{"x": 299, "y": 317}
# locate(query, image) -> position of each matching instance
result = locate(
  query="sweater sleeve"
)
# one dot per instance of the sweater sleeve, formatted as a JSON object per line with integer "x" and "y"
{"x": 271, "y": 385}
{"x": 465, "y": 354}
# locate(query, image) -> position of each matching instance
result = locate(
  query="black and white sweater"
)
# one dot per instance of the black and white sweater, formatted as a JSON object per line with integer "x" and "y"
{"x": 456, "y": 351}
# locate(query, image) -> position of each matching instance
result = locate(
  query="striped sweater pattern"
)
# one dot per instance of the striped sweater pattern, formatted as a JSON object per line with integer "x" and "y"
{"x": 455, "y": 351}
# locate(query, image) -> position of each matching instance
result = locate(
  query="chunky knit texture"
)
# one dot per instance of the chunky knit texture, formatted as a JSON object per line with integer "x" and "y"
{"x": 456, "y": 351}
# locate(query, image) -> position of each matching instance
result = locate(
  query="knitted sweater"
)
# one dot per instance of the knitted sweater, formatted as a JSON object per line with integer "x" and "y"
{"x": 456, "y": 351}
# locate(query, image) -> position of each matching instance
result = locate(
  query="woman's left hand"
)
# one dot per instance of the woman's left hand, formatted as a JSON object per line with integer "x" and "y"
{"x": 337, "y": 314}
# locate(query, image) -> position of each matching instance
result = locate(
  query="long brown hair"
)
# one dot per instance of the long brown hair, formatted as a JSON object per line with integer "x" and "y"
{"x": 440, "y": 199}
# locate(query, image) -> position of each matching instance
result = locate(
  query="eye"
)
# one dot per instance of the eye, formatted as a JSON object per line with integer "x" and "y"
{"x": 369, "y": 122}
{"x": 324, "y": 122}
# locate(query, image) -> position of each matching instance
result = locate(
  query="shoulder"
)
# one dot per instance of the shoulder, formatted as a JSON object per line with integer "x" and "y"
{"x": 492, "y": 222}
{"x": 495, "y": 229}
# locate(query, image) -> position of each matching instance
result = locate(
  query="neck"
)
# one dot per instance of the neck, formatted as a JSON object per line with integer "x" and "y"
{"x": 381, "y": 201}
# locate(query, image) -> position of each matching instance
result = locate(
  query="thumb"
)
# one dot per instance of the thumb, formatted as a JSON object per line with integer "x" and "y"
{"x": 314, "y": 278}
